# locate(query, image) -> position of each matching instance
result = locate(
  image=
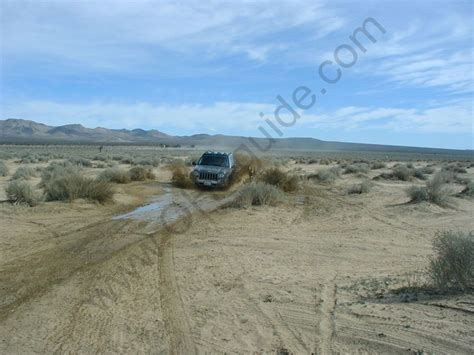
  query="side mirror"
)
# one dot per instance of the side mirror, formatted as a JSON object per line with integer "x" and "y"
{"x": 194, "y": 163}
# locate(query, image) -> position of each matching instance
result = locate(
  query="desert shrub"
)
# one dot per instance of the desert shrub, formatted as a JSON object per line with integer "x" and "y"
{"x": 280, "y": 179}
{"x": 148, "y": 162}
{"x": 468, "y": 189}
{"x": 402, "y": 172}
{"x": 455, "y": 168}
{"x": 80, "y": 162}
{"x": 378, "y": 165}
{"x": 452, "y": 265}
{"x": 68, "y": 187}
{"x": 357, "y": 168}
{"x": 57, "y": 169}
{"x": 418, "y": 173}
{"x": 24, "y": 172}
{"x": 326, "y": 175}
{"x": 139, "y": 173}
{"x": 116, "y": 175}
{"x": 126, "y": 161}
{"x": 427, "y": 170}
{"x": 257, "y": 194}
{"x": 362, "y": 188}
{"x": 435, "y": 191}
{"x": 3, "y": 169}
{"x": 180, "y": 175}
{"x": 21, "y": 192}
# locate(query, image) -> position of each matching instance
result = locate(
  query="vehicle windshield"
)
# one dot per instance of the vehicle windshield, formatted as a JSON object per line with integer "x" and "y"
{"x": 214, "y": 160}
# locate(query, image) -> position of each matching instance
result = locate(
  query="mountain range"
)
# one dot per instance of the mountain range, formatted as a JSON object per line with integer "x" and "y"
{"x": 19, "y": 131}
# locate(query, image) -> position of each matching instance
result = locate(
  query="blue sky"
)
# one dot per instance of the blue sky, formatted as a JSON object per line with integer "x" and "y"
{"x": 212, "y": 67}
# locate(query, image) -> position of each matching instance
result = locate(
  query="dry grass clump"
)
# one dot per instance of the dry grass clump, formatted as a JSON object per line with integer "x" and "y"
{"x": 4, "y": 171}
{"x": 452, "y": 266}
{"x": 116, "y": 175}
{"x": 247, "y": 168}
{"x": 357, "y": 168}
{"x": 280, "y": 179}
{"x": 24, "y": 172}
{"x": 258, "y": 194}
{"x": 435, "y": 191}
{"x": 80, "y": 162}
{"x": 404, "y": 173}
{"x": 21, "y": 192}
{"x": 180, "y": 177}
{"x": 362, "y": 188}
{"x": 139, "y": 173}
{"x": 68, "y": 187}
{"x": 326, "y": 175}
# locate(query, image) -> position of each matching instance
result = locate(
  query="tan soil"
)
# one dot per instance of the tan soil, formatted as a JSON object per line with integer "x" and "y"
{"x": 314, "y": 275}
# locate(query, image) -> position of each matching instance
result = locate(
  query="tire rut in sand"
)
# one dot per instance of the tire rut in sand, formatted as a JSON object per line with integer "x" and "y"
{"x": 326, "y": 325}
{"x": 176, "y": 321}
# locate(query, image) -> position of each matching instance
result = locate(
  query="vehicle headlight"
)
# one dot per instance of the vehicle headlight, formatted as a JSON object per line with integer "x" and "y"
{"x": 221, "y": 175}
{"x": 196, "y": 173}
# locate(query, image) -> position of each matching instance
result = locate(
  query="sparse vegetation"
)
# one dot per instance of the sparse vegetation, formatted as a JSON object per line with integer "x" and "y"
{"x": 357, "y": 168}
{"x": 326, "y": 175}
{"x": 21, "y": 192}
{"x": 80, "y": 162}
{"x": 452, "y": 265}
{"x": 257, "y": 194}
{"x": 139, "y": 173}
{"x": 24, "y": 172}
{"x": 68, "y": 187}
{"x": 468, "y": 189}
{"x": 116, "y": 175}
{"x": 434, "y": 191}
{"x": 362, "y": 188}
{"x": 280, "y": 179}
{"x": 378, "y": 165}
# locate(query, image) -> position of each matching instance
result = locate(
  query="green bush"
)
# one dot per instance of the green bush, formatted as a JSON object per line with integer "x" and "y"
{"x": 139, "y": 173}
{"x": 257, "y": 194}
{"x": 24, "y": 172}
{"x": 452, "y": 265}
{"x": 116, "y": 175}
{"x": 21, "y": 192}
{"x": 3, "y": 169}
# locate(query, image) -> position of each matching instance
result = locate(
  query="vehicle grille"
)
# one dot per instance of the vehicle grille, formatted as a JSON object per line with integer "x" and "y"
{"x": 205, "y": 175}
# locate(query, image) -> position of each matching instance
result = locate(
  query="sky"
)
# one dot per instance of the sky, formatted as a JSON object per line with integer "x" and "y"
{"x": 225, "y": 67}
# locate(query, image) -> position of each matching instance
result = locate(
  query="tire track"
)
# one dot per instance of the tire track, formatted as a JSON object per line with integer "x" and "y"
{"x": 327, "y": 324}
{"x": 176, "y": 320}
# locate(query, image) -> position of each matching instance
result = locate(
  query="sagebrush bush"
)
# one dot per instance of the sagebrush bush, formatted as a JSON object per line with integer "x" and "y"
{"x": 452, "y": 265}
{"x": 80, "y": 162}
{"x": 378, "y": 165}
{"x": 139, "y": 173}
{"x": 357, "y": 168}
{"x": 326, "y": 175}
{"x": 116, "y": 175}
{"x": 257, "y": 194}
{"x": 4, "y": 171}
{"x": 427, "y": 170}
{"x": 468, "y": 189}
{"x": 24, "y": 172}
{"x": 246, "y": 168}
{"x": 435, "y": 191}
{"x": 280, "y": 179}
{"x": 57, "y": 169}
{"x": 402, "y": 172}
{"x": 68, "y": 187}
{"x": 362, "y": 188}
{"x": 21, "y": 192}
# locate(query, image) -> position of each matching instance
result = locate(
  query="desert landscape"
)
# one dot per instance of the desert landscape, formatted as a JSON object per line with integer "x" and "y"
{"x": 317, "y": 253}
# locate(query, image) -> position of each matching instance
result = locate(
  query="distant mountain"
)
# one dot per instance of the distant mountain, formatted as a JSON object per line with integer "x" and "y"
{"x": 30, "y": 132}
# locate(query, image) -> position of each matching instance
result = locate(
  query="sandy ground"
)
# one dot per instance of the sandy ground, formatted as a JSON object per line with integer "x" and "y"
{"x": 322, "y": 273}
